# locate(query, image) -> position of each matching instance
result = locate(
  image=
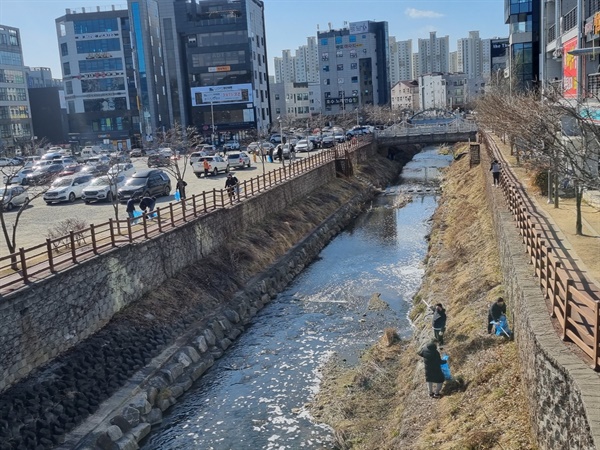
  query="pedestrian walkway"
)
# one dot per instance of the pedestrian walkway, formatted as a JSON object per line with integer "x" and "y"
{"x": 583, "y": 250}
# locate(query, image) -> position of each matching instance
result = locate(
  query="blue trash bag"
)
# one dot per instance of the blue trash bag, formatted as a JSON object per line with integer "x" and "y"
{"x": 137, "y": 214}
{"x": 446, "y": 367}
{"x": 177, "y": 195}
{"x": 269, "y": 159}
{"x": 501, "y": 327}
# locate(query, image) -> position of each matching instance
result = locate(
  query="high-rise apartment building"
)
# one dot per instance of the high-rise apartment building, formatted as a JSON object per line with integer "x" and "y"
{"x": 98, "y": 73}
{"x": 354, "y": 67}
{"x": 434, "y": 54}
{"x": 453, "y": 62}
{"x": 284, "y": 71}
{"x": 470, "y": 55}
{"x": 303, "y": 67}
{"x": 216, "y": 64}
{"x": 401, "y": 60}
{"x": 15, "y": 117}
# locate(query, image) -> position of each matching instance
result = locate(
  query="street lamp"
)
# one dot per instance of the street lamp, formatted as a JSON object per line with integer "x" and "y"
{"x": 212, "y": 119}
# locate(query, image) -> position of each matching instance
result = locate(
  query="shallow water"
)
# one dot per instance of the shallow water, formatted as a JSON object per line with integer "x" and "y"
{"x": 254, "y": 397}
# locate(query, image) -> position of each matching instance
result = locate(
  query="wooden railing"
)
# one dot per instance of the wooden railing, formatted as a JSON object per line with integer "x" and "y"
{"x": 55, "y": 255}
{"x": 574, "y": 300}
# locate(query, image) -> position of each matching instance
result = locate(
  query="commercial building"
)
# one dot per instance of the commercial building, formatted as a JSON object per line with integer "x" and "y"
{"x": 99, "y": 76}
{"x": 405, "y": 95}
{"x": 523, "y": 18}
{"x": 49, "y": 114}
{"x": 354, "y": 67}
{"x": 448, "y": 91}
{"x": 15, "y": 117}
{"x": 216, "y": 65}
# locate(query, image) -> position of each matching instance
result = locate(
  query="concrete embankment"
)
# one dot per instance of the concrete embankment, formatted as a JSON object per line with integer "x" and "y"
{"x": 206, "y": 305}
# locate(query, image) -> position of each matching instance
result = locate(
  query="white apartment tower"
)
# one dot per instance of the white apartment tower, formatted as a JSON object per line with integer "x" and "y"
{"x": 284, "y": 71}
{"x": 470, "y": 55}
{"x": 401, "y": 60}
{"x": 434, "y": 54}
{"x": 303, "y": 67}
{"x": 312, "y": 60}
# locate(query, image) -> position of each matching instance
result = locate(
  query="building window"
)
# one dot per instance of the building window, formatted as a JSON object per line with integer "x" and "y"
{"x": 323, "y": 41}
{"x": 66, "y": 68}
{"x": 327, "y": 81}
{"x": 100, "y": 65}
{"x": 64, "y": 49}
{"x": 325, "y": 68}
{"x": 340, "y": 67}
{"x": 11, "y": 59}
{"x": 353, "y": 54}
{"x": 352, "y": 38}
{"x": 325, "y": 57}
{"x": 98, "y": 46}
{"x": 71, "y": 107}
{"x": 354, "y": 79}
{"x": 339, "y": 53}
{"x": 276, "y": 96}
{"x": 354, "y": 66}
{"x": 69, "y": 87}
{"x": 327, "y": 94}
{"x": 338, "y": 39}
{"x": 103, "y": 84}
{"x": 95, "y": 26}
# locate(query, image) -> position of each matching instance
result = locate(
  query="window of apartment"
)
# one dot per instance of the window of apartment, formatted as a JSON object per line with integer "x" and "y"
{"x": 64, "y": 49}
{"x": 339, "y": 53}
{"x": 340, "y": 67}
{"x": 338, "y": 39}
{"x": 13, "y": 39}
{"x": 327, "y": 94}
{"x": 354, "y": 79}
{"x": 327, "y": 81}
{"x": 325, "y": 57}
{"x": 323, "y": 41}
{"x": 12, "y": 76}
{"x": 353, "y": 54}
{"x": 11, "y": 59}
{"x": 71, "y": 107}
{"x": 352, "y": 38}
{"x": 325, "y": 68}
{"x": 276, "y": 96}
{"x": 66, "y": 68}
{"x": 69, "y": 87}
{"x": 277, "y": 111}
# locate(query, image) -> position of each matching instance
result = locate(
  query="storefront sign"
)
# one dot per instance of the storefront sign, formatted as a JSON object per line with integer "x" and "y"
{"x": 84, "y": 76}
{"x": 219, "y": 69}
{"x": 97, "y": 35}
{"x": 339, "y": 101}
{"x": 98, "y": 55}
{"x": 569, "y": 69}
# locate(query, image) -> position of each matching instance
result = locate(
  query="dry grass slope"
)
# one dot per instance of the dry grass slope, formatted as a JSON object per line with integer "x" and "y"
{"x": 383, "y": 403}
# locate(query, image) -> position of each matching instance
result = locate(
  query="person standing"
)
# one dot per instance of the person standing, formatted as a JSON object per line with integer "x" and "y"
{"x": 181, "y": 188}
{"x": 206, "y": 167}
{"x": 130, "y": 208}
{"x": 280, "y": 152}
{"x": 433, "y": 369}
{"x": 495, "y": 169}
{"x": 231, "y": 185}
{"x": 439, "y": 323}
{"x": 497, "y": 309}
{"x": 147, "y": 203}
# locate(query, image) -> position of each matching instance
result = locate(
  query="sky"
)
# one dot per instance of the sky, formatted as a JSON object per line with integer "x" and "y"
{"x": 288, "y": 22}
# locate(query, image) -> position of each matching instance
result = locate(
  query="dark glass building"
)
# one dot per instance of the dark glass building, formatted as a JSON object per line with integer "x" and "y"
{"x": 523, "y": 18}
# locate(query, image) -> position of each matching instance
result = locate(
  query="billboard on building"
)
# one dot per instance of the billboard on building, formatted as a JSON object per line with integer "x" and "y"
{"x": 569, "y": 69}
{"x": 229, "y": 93}
{"x": 359, "y": 27}
{"x": 499, "y": 48}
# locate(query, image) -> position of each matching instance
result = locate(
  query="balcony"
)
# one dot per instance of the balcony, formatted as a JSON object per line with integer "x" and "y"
{"x": 593, "y": 85}
{"x": 551, "y": 33}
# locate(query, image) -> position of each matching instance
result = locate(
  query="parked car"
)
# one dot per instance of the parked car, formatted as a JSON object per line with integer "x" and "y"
{"x": 137, "y": 152}
{"x": 339, "y": 136}
{"x": 30, "y": 161}
{"x": 119, "y": 158}
{"x": 12, "y": 196}
{"x": 328, "y": 142}
{"x": 95, "y": 170}
{"x": 71, "y": 170}
{"x": 275, "y": 138}
{"x": 285, "y": 152}
{"x": 125, "y": 169}
{"x": 304, "y": 145}
{"x": 89, "y": 152}
{"x": 316, "y": 140}
{"x": 231, "y": 145}
{"x": 238, "y": 160}
{"x": 67, "y": 161}
{"x": 43, "y": 175}
{"x": 51, "y": 156}
{"x": 103, "y": 188}
{"x": 67, "y": 188}
{"x": 99, "y": 159}
{"x": 194, "y": 157}
{"x": 159, "y": 160}
{"x": 166, "y": 151}
{"x": 216, "y": 164}
{"x": 154, "y": 182}
{"x": 9, "y": 162}
{"x": 209, "y": 149}
{"x": 18, "y": 176}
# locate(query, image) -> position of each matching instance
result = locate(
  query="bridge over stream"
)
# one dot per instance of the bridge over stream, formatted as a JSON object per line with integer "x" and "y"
{"x": 444, "y": 132}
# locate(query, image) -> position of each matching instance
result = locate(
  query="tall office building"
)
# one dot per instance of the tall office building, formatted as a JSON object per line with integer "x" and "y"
{"x": 470, "y": 55}
{"x": 149, "y": 74}
{"x": 523, "y": 19}
{"x": 434, "y": 54}
{"x": 216, "y": 64}
{"x": 401, "y": 60}
{"x": 354, "y": 67}
{"x": 15, "y": 117}
{"x": 98, "y": 73}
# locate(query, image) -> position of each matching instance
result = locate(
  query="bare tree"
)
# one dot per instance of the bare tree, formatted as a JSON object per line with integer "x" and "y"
{"x": 549, "y": 132}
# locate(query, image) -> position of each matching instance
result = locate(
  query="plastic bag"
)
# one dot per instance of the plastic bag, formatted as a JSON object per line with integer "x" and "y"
{"x": 502, "y": 327}
{"x": 177, "y": 195}
{"x": 446, "y": 367}
{"x": 269, "y": 159}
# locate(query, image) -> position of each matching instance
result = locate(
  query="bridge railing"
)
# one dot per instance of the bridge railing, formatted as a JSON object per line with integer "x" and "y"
{"x": 575, "y": 301}
{"x": 443, "y": 128}
{"x": 54, "y": 255}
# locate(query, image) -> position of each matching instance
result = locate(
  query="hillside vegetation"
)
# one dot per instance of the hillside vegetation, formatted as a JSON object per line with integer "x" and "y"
{"x": 383, "y": 403}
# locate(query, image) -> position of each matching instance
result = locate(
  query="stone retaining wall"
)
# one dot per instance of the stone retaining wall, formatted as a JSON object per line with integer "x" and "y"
{"x": 563, "y": 392}
{"x": 51, "y": 316}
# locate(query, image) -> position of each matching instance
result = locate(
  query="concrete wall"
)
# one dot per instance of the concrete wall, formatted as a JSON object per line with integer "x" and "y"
{"x": 563, "y": 392}
{"x": 51, "y": 316}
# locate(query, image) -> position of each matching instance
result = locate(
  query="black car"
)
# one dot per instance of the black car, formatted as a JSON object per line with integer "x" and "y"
{"x": 159, "y": 160}
{"x": 146, "y": 182}
{"x": 43, "y": 175}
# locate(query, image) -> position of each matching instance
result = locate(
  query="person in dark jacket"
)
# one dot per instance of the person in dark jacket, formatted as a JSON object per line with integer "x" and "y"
{"x": 433, "y": 369}
{"x": 439, "y": 323}
{"x": 497, "y": 309}
{"x": 181, "y": 188}
{"x": 130, "y": 208}
{"x": 147, "y": 203}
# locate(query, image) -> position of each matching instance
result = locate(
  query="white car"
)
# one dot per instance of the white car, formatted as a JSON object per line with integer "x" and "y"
{"x": 18, "y": 176}
{"x": 231, "y": 145}
{"x": 103, "y": 188}
{"x": 216, "y": 164}
{"x": 98, "y": 160}
{"x": 67, "y": 188}
{"x": 194, "y": 157}
{"x": 9, "y": 162}
{"x": 125, "y": 169}
{"x": 13, "y": 196}
{"x": 238, "y": 160}
{"x": 304, "y": 145}
{"x": 166, "y": 151}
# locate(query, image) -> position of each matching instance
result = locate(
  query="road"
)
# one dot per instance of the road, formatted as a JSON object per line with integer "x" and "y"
{"x": 38, "y": 218}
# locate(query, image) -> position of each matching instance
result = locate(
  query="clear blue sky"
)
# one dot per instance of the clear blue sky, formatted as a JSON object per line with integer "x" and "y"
{"x": 288, "y": 22}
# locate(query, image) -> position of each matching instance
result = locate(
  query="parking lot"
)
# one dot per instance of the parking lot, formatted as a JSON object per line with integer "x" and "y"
{"x": 38, "y": 218}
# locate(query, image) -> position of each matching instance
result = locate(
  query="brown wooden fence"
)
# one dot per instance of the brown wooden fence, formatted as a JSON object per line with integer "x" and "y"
{"x": 574, "y": 300}
{"x": 40, "y": 261}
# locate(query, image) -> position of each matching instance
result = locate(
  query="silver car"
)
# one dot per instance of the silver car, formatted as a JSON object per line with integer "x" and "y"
{"x": 13, "y": 196}
{"x": 238, "y": 160}
{"x": 103, "y": 188}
